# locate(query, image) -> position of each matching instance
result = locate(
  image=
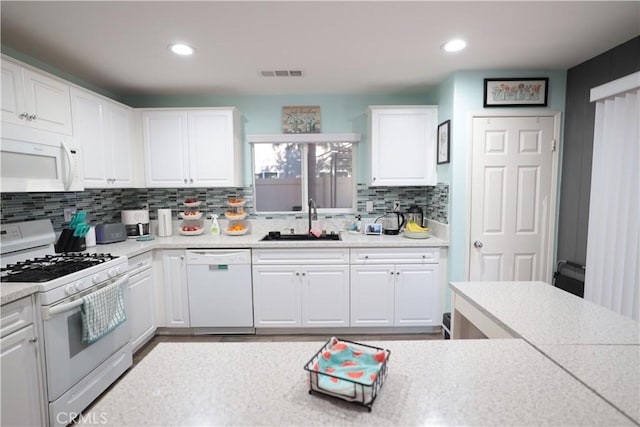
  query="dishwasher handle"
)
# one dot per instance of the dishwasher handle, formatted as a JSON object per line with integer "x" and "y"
{"x": 218, "y": 257}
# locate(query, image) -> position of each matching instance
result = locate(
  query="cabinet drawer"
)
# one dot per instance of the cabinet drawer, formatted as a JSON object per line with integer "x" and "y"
{"x": 395, "y": 256}
{"x": 139, "y": 263}
{"x": 16, "y": 315}
{"x": 297, "y": 256}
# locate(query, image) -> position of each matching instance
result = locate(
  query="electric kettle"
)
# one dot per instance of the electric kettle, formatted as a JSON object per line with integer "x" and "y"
{"x": 392, "y": 222}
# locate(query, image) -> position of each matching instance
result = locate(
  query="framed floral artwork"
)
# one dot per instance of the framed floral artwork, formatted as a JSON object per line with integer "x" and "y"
{"x": 301, "y": 119}
{"x": 519, "y": 92}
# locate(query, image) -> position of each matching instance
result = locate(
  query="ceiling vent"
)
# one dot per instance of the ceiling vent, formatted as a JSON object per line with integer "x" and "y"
{"x": 281, "y": 73}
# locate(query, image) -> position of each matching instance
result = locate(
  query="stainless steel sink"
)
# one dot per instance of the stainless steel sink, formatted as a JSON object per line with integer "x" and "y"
{"x": 275, "y": 236}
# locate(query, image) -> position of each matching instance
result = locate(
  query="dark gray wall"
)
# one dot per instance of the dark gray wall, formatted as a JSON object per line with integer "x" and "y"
{"x": 578, "y": 143}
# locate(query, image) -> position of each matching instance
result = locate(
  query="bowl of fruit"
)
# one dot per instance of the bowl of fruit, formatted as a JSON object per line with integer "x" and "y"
{"x": 191, "y": 230}
{"x": 235, "y": 216}
{"x": 237, "y": 229}
{"x": 191, "y": 215}
{"x": 191, "y": 202}
{"x": 415, "y": 231}
{"x": 236, "y": 202}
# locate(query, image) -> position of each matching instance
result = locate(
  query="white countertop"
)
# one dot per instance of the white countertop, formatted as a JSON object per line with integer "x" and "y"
{"x": 131, "y": 247}
{"x": 543, "y": 314}
{"x": 465, "y": 382}
{"x": 252, "y": 240}
{"x": 613, "y": 371}
{"x": 10, "y": 292}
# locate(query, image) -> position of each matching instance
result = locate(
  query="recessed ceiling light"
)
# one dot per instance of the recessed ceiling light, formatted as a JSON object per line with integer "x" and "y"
{"x": 181, "y": 49}
{"x": 454, "y": 45}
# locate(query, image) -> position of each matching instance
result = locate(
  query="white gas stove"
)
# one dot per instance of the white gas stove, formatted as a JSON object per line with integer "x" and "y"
{"x": 77, "y": 371}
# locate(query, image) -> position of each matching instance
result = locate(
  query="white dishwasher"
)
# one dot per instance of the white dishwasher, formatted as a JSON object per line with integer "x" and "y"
{"x": 220, "y": 295}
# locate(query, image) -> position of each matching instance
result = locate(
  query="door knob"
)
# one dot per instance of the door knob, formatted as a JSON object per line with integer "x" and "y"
{"x": 478, "y": 244}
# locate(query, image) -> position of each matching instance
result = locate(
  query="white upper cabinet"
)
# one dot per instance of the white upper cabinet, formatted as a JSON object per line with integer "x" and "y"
{"x": 104, "y": 130}
{"x": 192, "y": 148}
{"x": 402, "y": 147}
{"x": 35, "y": 100}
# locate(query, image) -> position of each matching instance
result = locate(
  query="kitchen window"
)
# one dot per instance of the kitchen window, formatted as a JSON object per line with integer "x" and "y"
{"x": 290, "y": 169}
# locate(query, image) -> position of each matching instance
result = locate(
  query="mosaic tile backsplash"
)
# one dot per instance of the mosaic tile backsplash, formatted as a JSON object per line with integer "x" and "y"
{"x": 104, "y": 206}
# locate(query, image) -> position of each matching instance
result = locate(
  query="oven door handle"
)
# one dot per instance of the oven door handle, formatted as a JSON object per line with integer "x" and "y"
{"x": 48, "y": 312}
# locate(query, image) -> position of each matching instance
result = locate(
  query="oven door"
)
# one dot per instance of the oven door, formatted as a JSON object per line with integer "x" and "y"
{"x": 68, "y": 359}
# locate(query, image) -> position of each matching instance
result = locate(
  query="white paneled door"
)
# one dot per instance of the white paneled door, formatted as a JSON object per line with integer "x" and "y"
{"x": 512, "y": 196}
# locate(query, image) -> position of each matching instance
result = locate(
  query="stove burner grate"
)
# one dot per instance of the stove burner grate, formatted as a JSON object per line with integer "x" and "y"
{"x": 50, "y": 267}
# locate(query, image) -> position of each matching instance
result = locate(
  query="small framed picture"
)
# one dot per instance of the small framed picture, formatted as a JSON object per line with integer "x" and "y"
{"x": 444, "y": 141}
{"x": 522, "y": 92}
{"x": 373, "y": 228}
{"x": 301, "y": 119}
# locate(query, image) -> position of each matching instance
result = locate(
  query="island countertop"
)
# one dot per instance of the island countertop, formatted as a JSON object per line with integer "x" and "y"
{"x": 598, "y": 347}
{"x": 466, "y": 382}
{"x": 543, "y": 314}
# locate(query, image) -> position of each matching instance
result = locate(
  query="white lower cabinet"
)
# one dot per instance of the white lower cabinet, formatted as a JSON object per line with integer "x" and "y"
{"x": 416, "y": 296}
{"x": 395, "y": 287}
{"x": 372, "y": 291}
{"x": 176, "y": 296}
{"x": 142, "y": 297}
{"x": 22, "y": 391}
{"x": 276, "y": 296}
{"x": 325, "y": 295}
{"x": 293, "y": 288}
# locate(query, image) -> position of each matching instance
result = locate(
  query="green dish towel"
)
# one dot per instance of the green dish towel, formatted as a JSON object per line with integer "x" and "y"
{"x": 102, "y": 312}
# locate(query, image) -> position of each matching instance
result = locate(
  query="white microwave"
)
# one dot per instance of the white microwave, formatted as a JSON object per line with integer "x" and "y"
{"x": 33, "y": 160}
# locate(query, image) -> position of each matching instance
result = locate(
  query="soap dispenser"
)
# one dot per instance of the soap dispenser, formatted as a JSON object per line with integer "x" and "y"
{"x": 215, "y": 227}
{"x": 358, "y": 223}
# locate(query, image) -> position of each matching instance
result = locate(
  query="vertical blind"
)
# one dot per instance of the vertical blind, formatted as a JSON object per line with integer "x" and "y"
{"x": 612, "y": 277}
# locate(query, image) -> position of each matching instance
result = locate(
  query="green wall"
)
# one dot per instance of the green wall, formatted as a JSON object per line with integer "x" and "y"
{"x": 466, "y": 88}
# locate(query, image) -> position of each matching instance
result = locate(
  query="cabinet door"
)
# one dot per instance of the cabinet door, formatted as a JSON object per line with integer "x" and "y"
{"x": 175, "y": 289}
{"x": 403, "y": 146}
{"x": 276, "y": 296}
{"x": 12, "y": 93}
{"x": 372, "y": 295}
{"x": 211, "y": 148}
{"x": 325, "y": 295}
{"x": 166, "y": 148}
{"x": 21, "y": 394}
{"x": 88, "y": 124}
{"x": 417, "y": 301}
{"x": 49, "y": 100}
{"x": 118, "y": 136}
{"x": 142, "y": 303}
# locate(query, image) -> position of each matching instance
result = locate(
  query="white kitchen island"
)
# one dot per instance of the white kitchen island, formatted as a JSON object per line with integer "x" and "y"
{"x": 466, "y": 382}
{"x": 539, "y": 313}
{"x": 595, "y": 345}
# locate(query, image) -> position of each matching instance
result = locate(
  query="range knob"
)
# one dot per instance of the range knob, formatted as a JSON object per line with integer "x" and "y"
{"x": 121, "y": 269}
{"x": 112, "y": 272}
{"x": 96, "y": 278}
{"x": 69, "y": 290}
{"x": 79, "y": 286}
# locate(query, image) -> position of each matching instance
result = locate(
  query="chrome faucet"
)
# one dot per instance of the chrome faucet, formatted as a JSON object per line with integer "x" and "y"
{"x": 312, "y": 215}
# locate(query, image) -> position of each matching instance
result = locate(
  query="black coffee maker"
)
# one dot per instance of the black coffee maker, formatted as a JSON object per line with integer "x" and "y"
{"x": 416, "y": 214}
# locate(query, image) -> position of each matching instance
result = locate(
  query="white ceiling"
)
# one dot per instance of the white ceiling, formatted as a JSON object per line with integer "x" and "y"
{"x": 341, "y": 46}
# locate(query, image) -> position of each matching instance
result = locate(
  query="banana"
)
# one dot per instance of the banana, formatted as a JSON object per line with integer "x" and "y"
{"x": 413, "y": 226}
